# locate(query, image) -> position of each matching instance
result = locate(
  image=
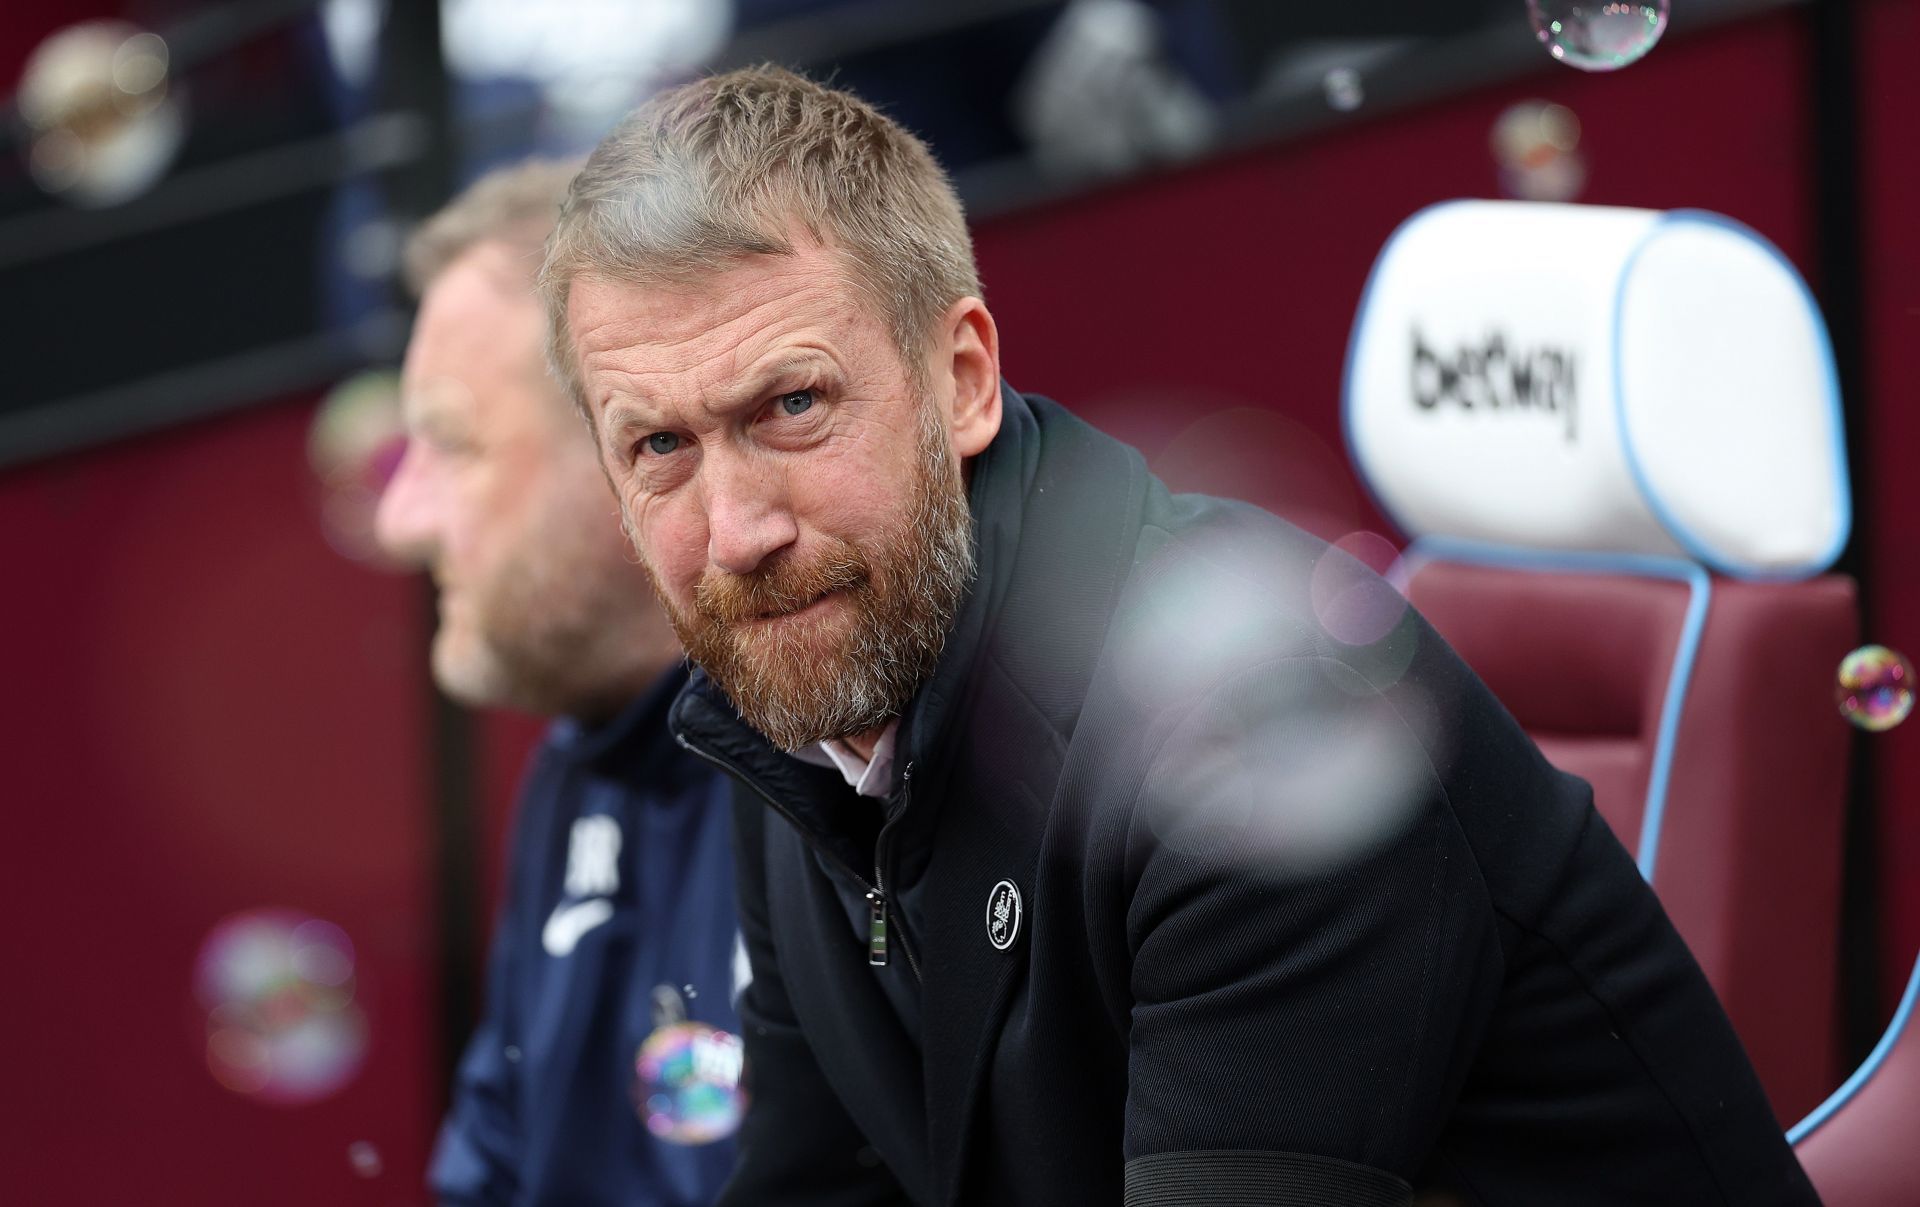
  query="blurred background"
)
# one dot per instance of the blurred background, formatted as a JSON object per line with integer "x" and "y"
{"x": 250, "y": 856}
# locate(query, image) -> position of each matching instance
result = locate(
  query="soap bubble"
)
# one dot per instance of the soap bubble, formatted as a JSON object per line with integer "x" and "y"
{"x": 278, "y": 987}
{"x": 687, "y": 1083}
{"x": 1355, "y": 607}
{"x": 100, "y": 125}
{"x": 1290, "y": 780}
{"x": 365, "y": 1159}
{"x": 1343, "y": 89}
{"x": 1263, "y": 457}
{"x": 1597, "y": 36}
{"x": 1300, "y": 753}
{"x": 1874, "y": 688}
{"x": 354, "y": 446}
{"x": 1537, "y": 147}
{"x": 1205, "y": 606}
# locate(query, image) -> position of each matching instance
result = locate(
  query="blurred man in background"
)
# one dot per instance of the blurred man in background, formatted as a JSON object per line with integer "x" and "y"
{"x": 618, "y": 923}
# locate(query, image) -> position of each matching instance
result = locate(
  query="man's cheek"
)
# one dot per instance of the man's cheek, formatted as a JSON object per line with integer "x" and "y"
{"x": 674, "y": 547}
{"x": 844, "y": 506}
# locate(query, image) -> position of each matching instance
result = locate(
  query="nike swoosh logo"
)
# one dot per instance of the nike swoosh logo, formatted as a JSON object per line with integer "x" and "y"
{"x": 568, "y": 923}
{"x": 742, "y": 968}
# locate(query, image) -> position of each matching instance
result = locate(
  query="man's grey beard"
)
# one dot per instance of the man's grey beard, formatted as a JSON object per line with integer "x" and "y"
{"x": 905, "y": 593}
{"x": 554, "y": 646}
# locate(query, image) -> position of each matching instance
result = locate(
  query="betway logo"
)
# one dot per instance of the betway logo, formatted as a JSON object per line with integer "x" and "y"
{"x": 1489, "y": 376}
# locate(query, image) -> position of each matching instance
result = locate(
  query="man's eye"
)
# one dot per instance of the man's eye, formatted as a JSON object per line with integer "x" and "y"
{"x": 797, "y": 403}
{"x": 662, "y": 443}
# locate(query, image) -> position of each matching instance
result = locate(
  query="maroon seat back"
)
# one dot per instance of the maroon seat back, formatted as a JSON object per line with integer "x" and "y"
{"x": 1862, "y": 1147}
{"x": 1747, "y": 852}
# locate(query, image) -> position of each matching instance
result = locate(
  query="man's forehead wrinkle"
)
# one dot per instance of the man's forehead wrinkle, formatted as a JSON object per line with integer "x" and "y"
{"x": 708, "y": 363}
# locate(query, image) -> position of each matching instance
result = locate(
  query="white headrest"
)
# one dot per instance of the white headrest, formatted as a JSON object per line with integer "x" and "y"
{"x": 1569, "y": 377}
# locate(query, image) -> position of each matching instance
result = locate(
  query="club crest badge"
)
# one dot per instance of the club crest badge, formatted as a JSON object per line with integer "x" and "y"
{"x": 1003, "y": 915}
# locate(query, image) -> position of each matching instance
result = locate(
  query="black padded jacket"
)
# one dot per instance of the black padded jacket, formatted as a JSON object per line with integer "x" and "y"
{"x": 1207, "y": 907}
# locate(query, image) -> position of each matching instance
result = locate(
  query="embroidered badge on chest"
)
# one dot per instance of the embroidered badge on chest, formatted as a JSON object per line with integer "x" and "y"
{"x": 1003, "y": 915}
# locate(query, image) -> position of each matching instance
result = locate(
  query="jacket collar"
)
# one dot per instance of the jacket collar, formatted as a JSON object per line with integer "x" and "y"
{"x": 636, "y": 736}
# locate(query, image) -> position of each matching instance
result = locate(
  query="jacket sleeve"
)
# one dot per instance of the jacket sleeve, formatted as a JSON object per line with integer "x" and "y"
{"x": 1314, "y": 955}
{"x": 481, "y": 1148}
{"x": 798, "y": 1146}
{"x": 477, "y": 1158}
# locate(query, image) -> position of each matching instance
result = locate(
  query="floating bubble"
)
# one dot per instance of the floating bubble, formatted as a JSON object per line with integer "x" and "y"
{"x": 278, "y": 988}
{"x": 1597, "y": 36}
{"x": 1264, "y": 458}
{"x": 365, "y": 1159}
{"x": 687, "y": 1083}
{"x": 1536, "y": 145}
{"x": 100, "y": 126}
{"x": 1354, "y": 604}
{"x": 322, "y": 954}
{"x": 1343, "y": 89}
{"x": 237, "y": 1056}
{"x": 1207, "y": 605}
{"x": 1301, "y": 770}
{"x": 1874, "y": 688}
{"x": 689, "y": 992}
{"x": 354, "y": 446}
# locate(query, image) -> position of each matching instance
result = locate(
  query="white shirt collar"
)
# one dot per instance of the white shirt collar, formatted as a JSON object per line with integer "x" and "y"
{"x": 868, "y": 777}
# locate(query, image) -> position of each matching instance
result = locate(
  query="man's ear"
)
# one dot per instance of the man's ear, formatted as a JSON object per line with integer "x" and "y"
{"x": 973, "y": 343}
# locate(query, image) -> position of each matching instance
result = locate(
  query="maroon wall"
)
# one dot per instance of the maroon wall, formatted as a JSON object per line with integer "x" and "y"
{"x": 1889, "y": 95}
{"x": 207, "y": 711}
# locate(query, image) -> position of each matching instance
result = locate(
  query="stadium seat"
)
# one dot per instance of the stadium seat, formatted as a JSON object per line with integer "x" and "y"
{"x": 1858, "y": 1147}
{"x": 1614, "y": 439}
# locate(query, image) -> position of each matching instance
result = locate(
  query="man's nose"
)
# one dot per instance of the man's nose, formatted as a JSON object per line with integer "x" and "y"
{"x": 404, "y": 522}
{"x": 749, "y": 518}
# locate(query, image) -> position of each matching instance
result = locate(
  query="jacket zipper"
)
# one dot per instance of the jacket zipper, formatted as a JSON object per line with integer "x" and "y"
{"x": 877, "y": 938}
{"x": 877, "y": 898}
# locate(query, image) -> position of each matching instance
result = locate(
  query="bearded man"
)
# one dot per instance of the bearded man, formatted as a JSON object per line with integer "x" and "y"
{"x": 1078, "y": 864}
{"x": 618, "y": 923}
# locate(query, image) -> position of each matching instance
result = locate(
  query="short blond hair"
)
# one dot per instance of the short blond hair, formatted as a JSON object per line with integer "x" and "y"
{"x": 725, "y": 166}
{"x": 514, "y": 206}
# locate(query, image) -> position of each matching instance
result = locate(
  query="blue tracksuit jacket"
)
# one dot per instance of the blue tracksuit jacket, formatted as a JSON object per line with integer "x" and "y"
{"x": 619, "y": 914}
